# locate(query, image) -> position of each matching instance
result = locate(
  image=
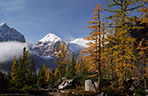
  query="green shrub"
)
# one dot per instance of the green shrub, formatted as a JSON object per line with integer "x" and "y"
{"x": 81, "y": 78}
{"x": 27, "y": 88}
{"x": 140, "y": 92}
{"x": 3, "y": 82}
{"x": 112, "y": 92}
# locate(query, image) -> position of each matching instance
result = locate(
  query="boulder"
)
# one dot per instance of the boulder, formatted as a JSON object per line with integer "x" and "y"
{"x": 89, "y": 86}
{"x": 146, "y": 91}
{"x": 102, "y": 94}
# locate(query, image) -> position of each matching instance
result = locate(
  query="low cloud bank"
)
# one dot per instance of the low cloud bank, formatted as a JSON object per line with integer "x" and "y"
{"x": 10, "y": 49}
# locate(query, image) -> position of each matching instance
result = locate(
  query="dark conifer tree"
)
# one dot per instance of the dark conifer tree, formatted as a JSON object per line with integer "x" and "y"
{"x": 41, "y": 82}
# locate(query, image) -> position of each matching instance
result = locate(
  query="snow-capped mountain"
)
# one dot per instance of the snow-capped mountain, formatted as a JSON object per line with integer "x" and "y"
{"x": 46, "y": 46}
{"x": 50, "y": 38}
{"x": 80, "y": 41}
{"x": 42, "y": 52}
{"x": 78, "y": 44}
{"x": 10, "y": 34}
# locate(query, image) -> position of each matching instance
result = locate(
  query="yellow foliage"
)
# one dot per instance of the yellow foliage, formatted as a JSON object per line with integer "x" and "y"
{"x": 61, "y": 59}
{"x": 56, "y": 72}
{"x": 47, "y": 75}
{"x": 143, "y": 51}
{"x": 13, "y": 68}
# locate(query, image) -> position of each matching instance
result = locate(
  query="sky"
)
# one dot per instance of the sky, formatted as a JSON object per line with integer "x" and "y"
{"x": 67, "y": 19}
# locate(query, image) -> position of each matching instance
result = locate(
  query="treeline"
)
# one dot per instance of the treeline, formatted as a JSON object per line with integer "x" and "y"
{"x": 25, "y": 78}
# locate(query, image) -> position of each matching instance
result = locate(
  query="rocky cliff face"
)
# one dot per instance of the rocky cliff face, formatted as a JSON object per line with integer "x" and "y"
{"x": 10, "y": 34}
{"x": 46, "y": 46}
{"x": 12, "y": 48}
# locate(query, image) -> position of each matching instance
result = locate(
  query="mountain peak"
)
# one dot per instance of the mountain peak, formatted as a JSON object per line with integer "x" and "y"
{"x": 3, "y": 23}
{"x": 80, "y": 41}
{"x": 3, "y": 26}
{"x": 10, "y": 34}
{"x": 50, "y": 37}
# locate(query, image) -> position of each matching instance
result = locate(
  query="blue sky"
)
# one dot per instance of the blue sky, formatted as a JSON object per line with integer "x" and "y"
{"x": 35, "y": 18}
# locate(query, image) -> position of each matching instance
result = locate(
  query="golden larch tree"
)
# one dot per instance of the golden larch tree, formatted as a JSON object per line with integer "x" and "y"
{"x": 143, "y": 51}
{"x": 13, "y": 68}
{"x": 123, "y": 49}
{"x": 61, "y": 59}
{"x": 93, "y": 57}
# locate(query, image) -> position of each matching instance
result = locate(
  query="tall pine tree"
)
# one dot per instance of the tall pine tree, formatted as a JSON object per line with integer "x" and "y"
{"x": 13, "y": 68}
{"x": 143, "y": 51}
{"x": 94, "y": 49}
{"x": 20, "y": 72}
{"x": 71, "y": 69}
{"x": 42, "y": 79}
{"x": 61, "y": 59}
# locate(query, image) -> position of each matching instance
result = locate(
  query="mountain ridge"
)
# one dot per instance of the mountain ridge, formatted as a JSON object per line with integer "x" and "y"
{"x": 10, "y": 34}
{"x": 42, "y": 52}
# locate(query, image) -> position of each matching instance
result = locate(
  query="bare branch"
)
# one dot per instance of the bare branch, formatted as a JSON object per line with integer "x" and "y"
{"x": 117, "y": 3}
{"x": 135, "y": 7}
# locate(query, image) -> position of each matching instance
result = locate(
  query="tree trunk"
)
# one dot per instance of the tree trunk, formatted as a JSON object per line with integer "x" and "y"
{"x": 145, "y": 83}
{"x": 99, "y": 59}
{"x": 99, "y": 80}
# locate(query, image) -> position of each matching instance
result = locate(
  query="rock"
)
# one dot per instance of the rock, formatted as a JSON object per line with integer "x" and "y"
{"x": 63, "y": 78}
{"x": 64, "y": 91}
{"x": 58, "y": 94}
{"x": 89, "y": 86}
{"x": 146, "y": 91}
{"x": 136, "y": 80}
{"x": 134, "y": 94}
{"x": 103, "y": 94}
{"x": 73, "y": 92}
{"x": 96, "y": 84}
{"x": 65, "y": 84}
{"x": 93, "y": 88}
{"x": 132, "y": 88}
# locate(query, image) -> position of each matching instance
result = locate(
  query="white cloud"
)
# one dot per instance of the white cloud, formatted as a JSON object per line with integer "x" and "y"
{"x": 10, "y": 49}
{"x": 12, "y": 5}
